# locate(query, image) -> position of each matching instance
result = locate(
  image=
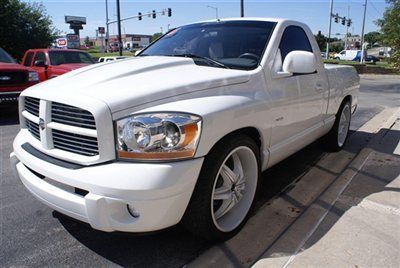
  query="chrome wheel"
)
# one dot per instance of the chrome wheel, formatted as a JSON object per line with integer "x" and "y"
{"x": 234, "y": 189}
{"x": 344, "y": 124}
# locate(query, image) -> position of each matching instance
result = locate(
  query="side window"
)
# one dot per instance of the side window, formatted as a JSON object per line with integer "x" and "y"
{"x": 40, "y": 56}
{"x": 28, "y": 59}
{"x": 294, "y": 38}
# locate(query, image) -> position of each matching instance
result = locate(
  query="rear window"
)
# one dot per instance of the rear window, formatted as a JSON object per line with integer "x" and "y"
{"x": 65, "y": 57}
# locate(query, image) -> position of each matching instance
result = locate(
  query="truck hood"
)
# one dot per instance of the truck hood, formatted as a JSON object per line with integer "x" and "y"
{"x": 70, "y": 66}
{"x": 128, "y": 83}
{"x": 12, "y": 67}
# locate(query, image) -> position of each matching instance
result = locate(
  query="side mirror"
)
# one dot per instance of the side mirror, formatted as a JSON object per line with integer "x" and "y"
{"x": 40, "y": 63}
{"x": 299, "y": 62}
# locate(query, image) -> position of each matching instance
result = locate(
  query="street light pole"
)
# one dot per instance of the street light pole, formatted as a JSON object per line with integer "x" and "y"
{"x": 329, "y": 30}
{"x": 107, "y": 26}
{"x": 362, "y": 34}
{"x": 119, "y": 28}
{"x": 216, "y": 11}
{"x": 242, "y": 8}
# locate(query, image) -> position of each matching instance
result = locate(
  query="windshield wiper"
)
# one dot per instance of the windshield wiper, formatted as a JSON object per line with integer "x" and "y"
{"x": 194, "y": 56}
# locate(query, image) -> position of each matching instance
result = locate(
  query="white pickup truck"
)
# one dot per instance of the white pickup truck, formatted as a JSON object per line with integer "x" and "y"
{"x": 182, "y": 132}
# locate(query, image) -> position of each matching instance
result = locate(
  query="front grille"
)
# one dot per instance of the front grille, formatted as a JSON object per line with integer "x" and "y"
{"x": 11, "y": 78}
{"x": 70, "y": 115}
{"x": 32, "y": 105}
{"x": 33, "y": 129}
{"x": 75, "y": 143}
{"x": 63, "y": 137}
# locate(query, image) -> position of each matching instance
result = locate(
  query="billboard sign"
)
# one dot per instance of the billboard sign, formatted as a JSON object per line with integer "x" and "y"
{"x": 73, "y": 41}
{"x": 75, "y": 19}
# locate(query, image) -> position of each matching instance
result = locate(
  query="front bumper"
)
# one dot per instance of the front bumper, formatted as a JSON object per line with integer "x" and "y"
{"x": 158, "y": 192}
{"x": 9, "y": 96}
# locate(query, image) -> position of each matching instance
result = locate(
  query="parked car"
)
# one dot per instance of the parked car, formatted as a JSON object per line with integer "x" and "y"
{"x": 113, "y": 47}
{"x": 14, "y": 78}
{"x": 371, "y": 59}
{"x": 351, "y": 55}
{"x": 50, "y": 63}
{"x": 182, "y": 132}
{"x": 107, "y": 59}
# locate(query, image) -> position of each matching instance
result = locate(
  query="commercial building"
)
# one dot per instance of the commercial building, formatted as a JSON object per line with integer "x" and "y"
{"x": 129, "y": 41}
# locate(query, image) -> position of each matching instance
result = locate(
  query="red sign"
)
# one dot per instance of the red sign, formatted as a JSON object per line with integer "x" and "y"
{"x": 61, "y": 42}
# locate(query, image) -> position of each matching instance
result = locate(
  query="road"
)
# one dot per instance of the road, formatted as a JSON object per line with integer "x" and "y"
{"x": 33, "y": 234}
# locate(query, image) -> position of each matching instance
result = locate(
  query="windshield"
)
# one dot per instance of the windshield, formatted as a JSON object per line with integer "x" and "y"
{"x": 234, "y": 44}
{"x": 4, "y": 57}
{"x": 65, "y": 57}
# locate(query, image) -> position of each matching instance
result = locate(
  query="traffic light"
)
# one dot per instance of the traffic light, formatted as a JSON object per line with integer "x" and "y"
{"x": 140, "y": 15}
{"x": 169, "y": 12}
{"x": 337, "y": 18}
{"x": 344, "y": 21}
{"x": 154, "y": 14}
{"x": 349, "y": 23}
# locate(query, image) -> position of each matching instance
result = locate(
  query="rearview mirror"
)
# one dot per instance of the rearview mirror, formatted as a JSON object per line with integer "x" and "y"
{"x": 299, "y": 62}
{"x": 40, "y": 63}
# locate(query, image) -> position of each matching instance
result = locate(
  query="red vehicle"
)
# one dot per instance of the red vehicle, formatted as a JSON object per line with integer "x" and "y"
{"x": 50, "y": 63}
{"x": 14, "y": 78}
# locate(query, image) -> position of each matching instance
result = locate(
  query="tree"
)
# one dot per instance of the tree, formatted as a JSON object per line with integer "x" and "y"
{"x": 337, "y": 47}
{"x": 372, "y": 38}
{"x": 321, "y": 41}
{"x": 390, "y": 28}
{"x": 87, "y": 41}
{"x": 24, "y": 26}
{"x": 155, "y": 36}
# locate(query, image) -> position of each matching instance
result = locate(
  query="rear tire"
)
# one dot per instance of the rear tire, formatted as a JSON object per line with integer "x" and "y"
{"x": 225, "y": 190}
{"x": 337, "y": 137}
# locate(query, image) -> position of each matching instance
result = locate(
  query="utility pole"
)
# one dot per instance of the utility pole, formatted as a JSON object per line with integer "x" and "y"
{"x": 362, "y": 34}
{"x": 119, "y": 28}
{"x": 242, "y": 8}
{"x": 329, "y": 30}
{"x": 107, "y": 27}
{"x": 347, "y": 29}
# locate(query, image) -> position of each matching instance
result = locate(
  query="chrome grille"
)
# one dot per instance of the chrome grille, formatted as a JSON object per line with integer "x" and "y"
{"x": 70, "y": 115}
{"x": 75, "y": 143}
{"x": 32, "y": 105}
{"x": 33, "y": 129}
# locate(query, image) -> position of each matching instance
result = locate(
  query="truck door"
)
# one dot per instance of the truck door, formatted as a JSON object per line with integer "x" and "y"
{"x": 40, "y": 64}
{"x": 312, "y": 87}
{"x": 297, "y": 99}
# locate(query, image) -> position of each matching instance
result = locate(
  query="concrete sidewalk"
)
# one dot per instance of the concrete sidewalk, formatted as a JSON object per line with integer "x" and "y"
{"x": 344, "y": 212}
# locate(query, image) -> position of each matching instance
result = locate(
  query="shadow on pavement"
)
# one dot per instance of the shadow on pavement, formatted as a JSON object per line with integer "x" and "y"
{"x": 280, "y": 226}
{"x": 9, "y": 114}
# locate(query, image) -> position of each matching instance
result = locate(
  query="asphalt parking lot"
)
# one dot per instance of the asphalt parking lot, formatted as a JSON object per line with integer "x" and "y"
{"x": 33, "y": 234}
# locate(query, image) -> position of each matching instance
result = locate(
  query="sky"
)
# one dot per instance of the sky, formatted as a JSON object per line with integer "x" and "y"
{"x": 312, "y": 12}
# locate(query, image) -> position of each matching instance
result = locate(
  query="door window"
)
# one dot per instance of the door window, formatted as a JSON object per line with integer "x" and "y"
{"x": 294, "y": 38}
{"x": 40, "y": 56}
{"x": 28, "y": 59}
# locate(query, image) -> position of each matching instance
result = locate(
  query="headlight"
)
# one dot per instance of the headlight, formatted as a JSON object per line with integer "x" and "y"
{"x": 158, "y": 136}
{"x": 33, "y": 77}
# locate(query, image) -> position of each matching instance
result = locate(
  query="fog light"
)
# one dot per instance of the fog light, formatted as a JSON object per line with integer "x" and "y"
{"x": 133, "y": 212}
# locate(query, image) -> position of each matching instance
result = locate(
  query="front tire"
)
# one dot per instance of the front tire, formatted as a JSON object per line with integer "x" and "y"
{"x": 225, "y": 190}
{"x": 337, "y": 137}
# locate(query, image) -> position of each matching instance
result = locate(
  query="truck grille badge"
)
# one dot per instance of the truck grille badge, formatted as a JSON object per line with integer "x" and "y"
{"x": 41, "y": 123}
